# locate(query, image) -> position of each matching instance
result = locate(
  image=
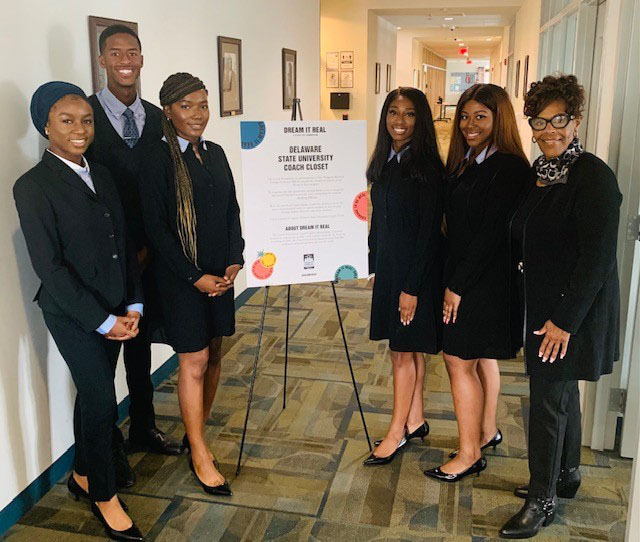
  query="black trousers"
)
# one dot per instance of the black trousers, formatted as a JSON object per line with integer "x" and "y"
{"x": 555, "y": 433}
{"x": 92, "y": 362}
{"x": 137, "y": 364}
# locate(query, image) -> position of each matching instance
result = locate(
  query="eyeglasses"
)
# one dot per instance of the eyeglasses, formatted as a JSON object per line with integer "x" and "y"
{"x": 558, "y": 121}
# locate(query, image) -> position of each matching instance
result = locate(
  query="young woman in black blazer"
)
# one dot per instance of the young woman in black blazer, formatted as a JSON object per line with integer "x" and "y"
{"x": 487, "y": 169}
{"x": 192, "y": 219}
{"x": 405, "y": 254}
{"x": 90, "y": 296}
{"x": 564, "y": 236}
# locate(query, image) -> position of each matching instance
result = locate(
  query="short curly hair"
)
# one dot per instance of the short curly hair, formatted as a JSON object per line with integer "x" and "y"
{"x": 552, "y": 88}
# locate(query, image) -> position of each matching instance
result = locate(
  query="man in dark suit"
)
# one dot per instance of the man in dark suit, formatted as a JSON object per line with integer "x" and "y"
{"x": 125, "y": 127}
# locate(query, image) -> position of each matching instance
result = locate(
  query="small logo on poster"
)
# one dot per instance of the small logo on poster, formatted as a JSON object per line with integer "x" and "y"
{"x": 309, "y": 262}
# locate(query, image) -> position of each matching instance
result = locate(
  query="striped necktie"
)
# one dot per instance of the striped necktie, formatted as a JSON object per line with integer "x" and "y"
{"x": 130, "y": 132}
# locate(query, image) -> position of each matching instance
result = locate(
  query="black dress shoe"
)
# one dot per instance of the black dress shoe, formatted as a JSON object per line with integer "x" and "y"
{"x": 497, "y": 439}
{"x": 374, "y": 460}
{"x": 132, "y": 533}
{"x": 79, "y": 493}
{"x": 224, "y": 490}
{"x": 438, "y": 474}
{"x": 420, "y": 433}
{"x": 186, "y": 445}
{"x": 566, "y": 487}
{"x": 535, "y": 514}
{"x": 154, "y": 441}
{"x": 125, "y": 477}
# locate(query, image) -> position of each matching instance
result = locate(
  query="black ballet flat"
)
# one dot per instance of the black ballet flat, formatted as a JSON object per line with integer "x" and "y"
{"x": 186, "y": 446}
{"x": 223, "y": 490}
{"x": 420, "y": 433}
{"x": 373, "y": 460}
{"x": 79, "y": 493}
{"x": 476, "y": 468}
{"x": 130, "y": 534}
{"x": 497, "y": 439}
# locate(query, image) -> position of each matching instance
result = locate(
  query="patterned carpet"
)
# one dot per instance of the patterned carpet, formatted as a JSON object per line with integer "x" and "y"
{"x": 302, "y": 476}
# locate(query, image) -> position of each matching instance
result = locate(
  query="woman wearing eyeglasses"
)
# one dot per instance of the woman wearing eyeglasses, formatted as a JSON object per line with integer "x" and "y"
{"x": 563, "y": 238}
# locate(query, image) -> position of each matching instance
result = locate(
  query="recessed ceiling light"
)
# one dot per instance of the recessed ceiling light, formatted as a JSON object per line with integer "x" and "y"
{"x": 489, "y": 39}
{"x": 398, "y": 28}
{"x": 460, "y": 43}
{"x": 448, "y": 18}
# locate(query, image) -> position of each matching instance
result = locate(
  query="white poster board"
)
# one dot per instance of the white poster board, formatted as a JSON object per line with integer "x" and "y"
{"x": 305, "y": 201}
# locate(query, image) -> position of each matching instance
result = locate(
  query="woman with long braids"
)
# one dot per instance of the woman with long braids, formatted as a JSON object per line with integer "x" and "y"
{"x": 405, "y": 254}
{"x": 193, "y": 221}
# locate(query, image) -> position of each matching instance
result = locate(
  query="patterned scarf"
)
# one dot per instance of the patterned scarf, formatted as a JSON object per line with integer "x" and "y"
{"x": 556, "y": 170}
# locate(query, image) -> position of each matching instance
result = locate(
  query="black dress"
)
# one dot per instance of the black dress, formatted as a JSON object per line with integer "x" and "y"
{"x": 478, "y": 268}
{"x": 405, "y": 245}
{"x": 191, "y": 318}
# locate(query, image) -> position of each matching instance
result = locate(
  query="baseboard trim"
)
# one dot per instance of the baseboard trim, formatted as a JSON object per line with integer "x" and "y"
{"x": 29, "y": 496}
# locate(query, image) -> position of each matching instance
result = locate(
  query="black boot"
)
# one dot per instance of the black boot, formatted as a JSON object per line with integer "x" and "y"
{"x": 566, "y": 487}
{"x": 535, "y": 514}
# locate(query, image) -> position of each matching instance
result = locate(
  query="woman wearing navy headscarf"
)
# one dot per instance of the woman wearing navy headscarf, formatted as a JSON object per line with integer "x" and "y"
{"x": 90, "y": 295}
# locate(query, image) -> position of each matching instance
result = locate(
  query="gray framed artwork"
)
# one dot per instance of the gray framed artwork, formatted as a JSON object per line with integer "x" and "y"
{"x": 230, "y": 76}
{"x": 289, "y": 77}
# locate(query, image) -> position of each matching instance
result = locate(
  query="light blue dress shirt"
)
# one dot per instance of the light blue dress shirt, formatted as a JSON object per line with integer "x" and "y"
{"x": 115, "y": 109}
{"x": 398, "y": 155}
{"x": 84, "y": 173}
{"x": 184, "y": 143}
{"x": 486, "y": 152}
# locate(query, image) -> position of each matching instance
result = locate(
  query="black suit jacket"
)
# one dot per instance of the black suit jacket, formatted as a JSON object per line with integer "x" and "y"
{"x": 77, "y": 242}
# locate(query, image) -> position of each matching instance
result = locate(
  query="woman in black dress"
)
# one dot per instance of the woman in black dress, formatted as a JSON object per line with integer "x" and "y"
{"x": 405, "y": 254}
{"x": 487, "y": 169}
{"x": 192, "y": 218}
{"x": 564, "y": 236}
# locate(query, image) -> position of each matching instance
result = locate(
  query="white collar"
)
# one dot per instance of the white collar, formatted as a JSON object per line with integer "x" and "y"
{"x": 184, "y": 143}
{"x": 84, "y": 168}
{"x": 486, "y": 152}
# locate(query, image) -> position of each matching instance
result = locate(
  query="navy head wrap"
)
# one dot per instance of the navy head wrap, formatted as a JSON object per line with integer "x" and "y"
{"x": 45, "y": 97}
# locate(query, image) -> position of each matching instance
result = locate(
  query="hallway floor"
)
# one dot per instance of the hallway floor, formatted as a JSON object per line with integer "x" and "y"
{"x": 302, "y": 476}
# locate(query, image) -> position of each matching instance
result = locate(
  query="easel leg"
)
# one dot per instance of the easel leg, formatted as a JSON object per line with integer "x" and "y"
{"x": 253, "y": 376}
{"x": 286, "y": 350}
{"x": 353, "y": 378}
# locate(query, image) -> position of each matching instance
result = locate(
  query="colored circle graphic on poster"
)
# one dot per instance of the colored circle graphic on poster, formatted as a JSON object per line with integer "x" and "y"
{"x": 360, "y": 206}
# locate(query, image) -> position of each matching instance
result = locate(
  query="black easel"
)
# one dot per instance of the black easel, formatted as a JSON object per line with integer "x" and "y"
{"x": 294, "y": 112}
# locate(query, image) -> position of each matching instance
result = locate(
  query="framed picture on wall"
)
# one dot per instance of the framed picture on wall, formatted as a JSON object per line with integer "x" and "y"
{"x": 346, "y": 60}
{"x": 96, "y": 27}
{"x": 525, "y": 76}
{"x": 517, "y": 77}
{"x": 388, "y": 78}
{"x": 230, "y": 76}
{"x": 289, "y": 77}
{"x": 378, "y": 75}
{"x": 346, "y": 79}
{"x": 416, "y": 78}
{"x": 333, "y": 60}
{"x": 333, "y": 79}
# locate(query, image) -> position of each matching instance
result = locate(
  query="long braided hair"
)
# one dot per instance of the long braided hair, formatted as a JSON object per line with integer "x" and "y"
{"x": 176, "y": 87}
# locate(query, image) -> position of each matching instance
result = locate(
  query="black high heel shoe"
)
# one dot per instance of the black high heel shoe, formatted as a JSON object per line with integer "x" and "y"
{"x": 78, "y": 493}
{"x": 186, "y": 446}
{"x": 130, "y": 534}
{"x": 374, "y": 460}
{"x": 223, "y": 490}
{"x": 438, "y": 474}
{"x": 420, "y": 433}
{"x": 566, "y": 487}
{"x": 497, "y": 439}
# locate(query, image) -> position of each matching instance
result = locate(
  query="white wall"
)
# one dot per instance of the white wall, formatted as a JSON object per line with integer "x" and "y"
{"x": 404, "y": 58}
{"x": 457, "y": 66}
{"x": 381, "y": 47}
{"x": 35, "y": 389}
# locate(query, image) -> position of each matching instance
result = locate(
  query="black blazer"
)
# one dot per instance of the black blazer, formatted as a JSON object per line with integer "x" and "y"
{"x": 77, "y": 242}
{"x": 571, "y": 273}
{"x": 124, "y": 163}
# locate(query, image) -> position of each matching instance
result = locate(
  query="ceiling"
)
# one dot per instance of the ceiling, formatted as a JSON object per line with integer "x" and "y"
{"x": 479, "y": 28}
